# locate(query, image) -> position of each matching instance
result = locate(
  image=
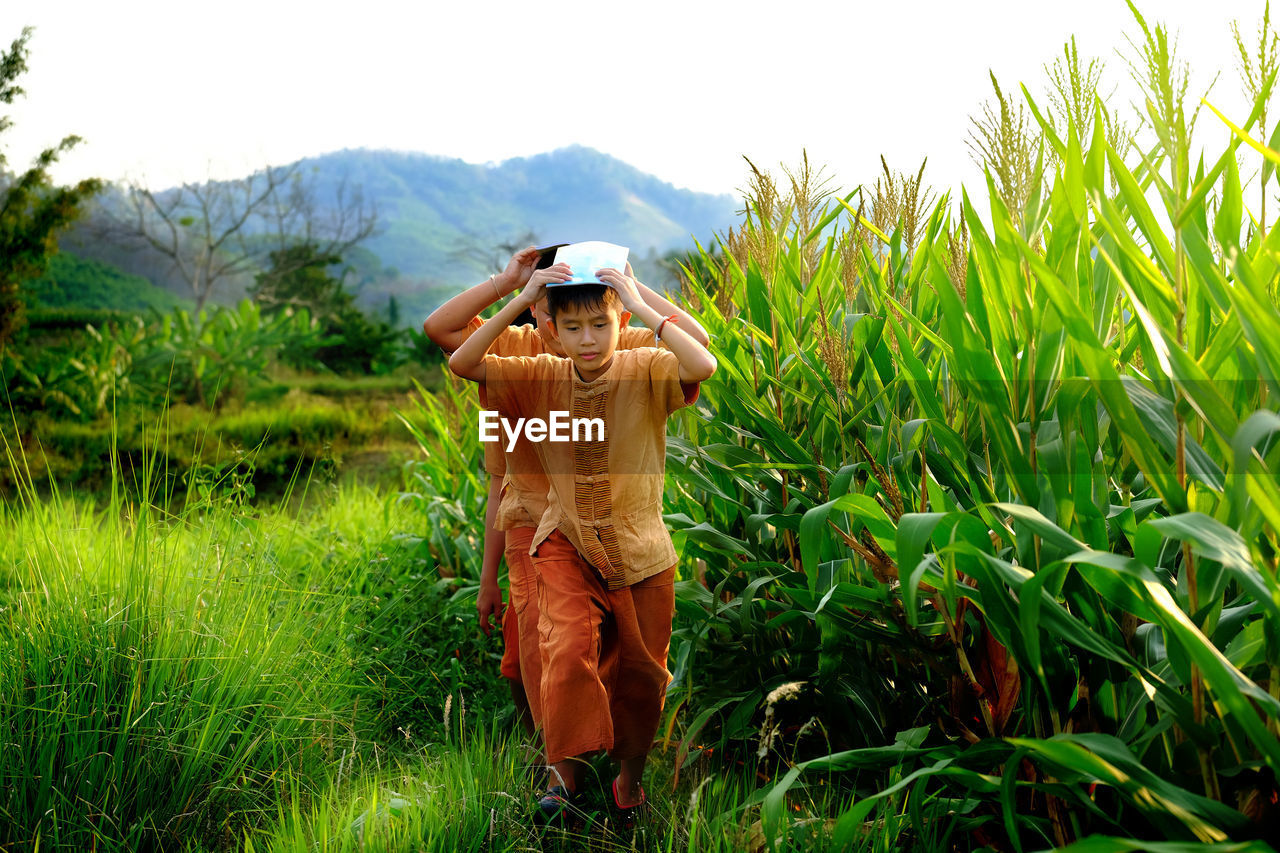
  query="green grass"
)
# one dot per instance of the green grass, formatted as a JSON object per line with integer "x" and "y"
{"x": 342, "y": 387}
{"x": 163, "y": 673}
{"x": 979, "y": 532}
{"x": 478, "y": 795}
{"x": 303, "y": 431}
{"x": 225, "y": 677}
{"x": 166, "y": 673}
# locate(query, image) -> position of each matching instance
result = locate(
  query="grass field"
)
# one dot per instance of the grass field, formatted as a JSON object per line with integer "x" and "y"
{"x": 272, "y": 678}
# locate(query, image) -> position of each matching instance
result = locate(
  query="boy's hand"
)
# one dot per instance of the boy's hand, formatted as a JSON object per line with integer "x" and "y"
{"x": 624, "y": 284}
{"x": 489, "y": 603}
{"x": 521, "y": 266}
{"x": 537, "y": 286}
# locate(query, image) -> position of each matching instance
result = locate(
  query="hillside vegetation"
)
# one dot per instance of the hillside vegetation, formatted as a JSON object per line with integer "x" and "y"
{"x": 442, "y": 221}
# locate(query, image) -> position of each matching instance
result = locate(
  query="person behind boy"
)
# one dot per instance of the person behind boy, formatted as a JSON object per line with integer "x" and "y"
{"x": 515, "y": 505}
{"x": 604, "y": 561}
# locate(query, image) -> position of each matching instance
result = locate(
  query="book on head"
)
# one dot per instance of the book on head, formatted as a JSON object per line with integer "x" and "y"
{"x": 588, "y": 258}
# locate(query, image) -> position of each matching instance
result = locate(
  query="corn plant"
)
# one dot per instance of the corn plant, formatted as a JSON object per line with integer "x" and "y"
{"x": 1027, "y": 502}
{"x": 448, "y": 484}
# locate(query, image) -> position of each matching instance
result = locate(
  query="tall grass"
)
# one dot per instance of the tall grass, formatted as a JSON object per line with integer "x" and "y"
{"x": 172, "y": 679}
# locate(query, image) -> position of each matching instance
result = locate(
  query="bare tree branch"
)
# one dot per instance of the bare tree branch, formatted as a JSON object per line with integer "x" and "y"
{"x": 215, "y": 230}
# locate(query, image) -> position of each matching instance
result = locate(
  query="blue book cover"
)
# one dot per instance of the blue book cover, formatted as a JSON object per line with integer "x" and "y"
{"x": 586, "y": 259}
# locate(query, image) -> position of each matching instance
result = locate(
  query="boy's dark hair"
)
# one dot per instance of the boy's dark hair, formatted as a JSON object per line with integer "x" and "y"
{"x": 585, "y": 296}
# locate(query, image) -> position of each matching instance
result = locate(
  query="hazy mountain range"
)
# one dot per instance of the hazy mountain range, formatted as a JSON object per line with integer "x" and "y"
{"x": 443, "y": 222}
{"x": 434, "y": 208}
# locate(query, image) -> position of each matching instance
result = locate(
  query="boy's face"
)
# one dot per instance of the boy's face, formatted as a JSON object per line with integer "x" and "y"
{"x": 589, "y": 337}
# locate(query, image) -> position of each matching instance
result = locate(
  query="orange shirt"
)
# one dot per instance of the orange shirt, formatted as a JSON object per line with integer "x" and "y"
{"x": 605, "y": 496}
{"x": 524, "y": 493}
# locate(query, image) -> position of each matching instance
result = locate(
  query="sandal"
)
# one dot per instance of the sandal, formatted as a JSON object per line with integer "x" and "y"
{"x": 559, "y": 804}
{"x": 626, "y": 815}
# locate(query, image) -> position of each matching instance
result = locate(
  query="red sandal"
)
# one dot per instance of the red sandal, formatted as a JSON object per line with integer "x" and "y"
{"x": 626, "y": 815}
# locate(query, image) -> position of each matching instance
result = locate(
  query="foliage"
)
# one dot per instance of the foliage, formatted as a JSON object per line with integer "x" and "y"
{"x": 271, "y": 444}
{"x": 217, "y": 230}
{"x": 424, "y": 352}
{"x": 206, "y": 358}
{"x": 448, "y": 485}
{"x": 156, "y": 685}
{"x": 1005, "y": 145}
{"x": 44, "y": 322}
{"x": 461, "y": 799}
{"x": 179, "y": 679}
{"x": 73, "y": 282}
{"x": 899, "y": 199}
{"x": 980, "y": 537}
{"x": 1074, "y": 88}
{"x": 32, "y": 210}
{"x": 1257, "y": 65}
{"x": 1031, "y": 512}
{"x": 298, "y": 278}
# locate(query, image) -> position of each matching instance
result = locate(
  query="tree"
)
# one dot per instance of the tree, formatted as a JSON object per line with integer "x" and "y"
{"x": 491, "y": 254}
{"x": 299, "y": 278}
{"x": 32, "y": 210}
{"x": 215, "y": 230}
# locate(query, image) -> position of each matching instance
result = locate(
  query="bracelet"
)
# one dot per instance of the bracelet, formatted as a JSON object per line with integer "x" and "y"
{"x": 657, "y": 335}
{"x": 493, "y": 279}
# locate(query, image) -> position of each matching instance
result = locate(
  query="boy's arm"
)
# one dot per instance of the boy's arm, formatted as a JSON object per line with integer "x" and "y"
{"x": 696, "y": 362}
{"x": 468, "y": 360}
{"x": 447, "y": 325}
{"x": 666, "y": 308}
{"x": 489, "y": 600}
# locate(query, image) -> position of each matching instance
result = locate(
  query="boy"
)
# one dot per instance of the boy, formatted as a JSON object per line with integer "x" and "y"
{"x": 604, "y": 562}
{"x": 517, "y": 503}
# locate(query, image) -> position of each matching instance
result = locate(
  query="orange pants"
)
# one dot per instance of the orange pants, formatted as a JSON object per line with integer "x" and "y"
{"x": 521, "y": 659}
{"x": 604, "y": 655}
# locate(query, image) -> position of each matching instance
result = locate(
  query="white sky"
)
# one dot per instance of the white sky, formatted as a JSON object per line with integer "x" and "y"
{"x": 167, "y": 91}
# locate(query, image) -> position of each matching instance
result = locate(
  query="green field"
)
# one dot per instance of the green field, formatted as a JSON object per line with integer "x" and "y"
{"x": 978, "y": 525}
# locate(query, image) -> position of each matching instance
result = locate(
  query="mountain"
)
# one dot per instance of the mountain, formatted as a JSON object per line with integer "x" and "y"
{"x": 443, "y": 222}
{"x": 436, "y": 209}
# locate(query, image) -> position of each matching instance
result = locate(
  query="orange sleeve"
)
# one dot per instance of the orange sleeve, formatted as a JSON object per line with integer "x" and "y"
{"x": 508, "y": 386}
{"x": 664, "y": 373}
{"x": 471, "y": 328}
{"x": 634, "y": 337}
{"x": 518, "y": 340}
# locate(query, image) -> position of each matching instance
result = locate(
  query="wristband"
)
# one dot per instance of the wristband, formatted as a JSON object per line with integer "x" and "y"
{"x": 493, "y": 279}
{"x": 657, "y": 335}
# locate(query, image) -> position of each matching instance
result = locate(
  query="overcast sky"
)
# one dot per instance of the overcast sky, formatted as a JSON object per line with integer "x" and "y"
{"x": 167, "y": 91}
